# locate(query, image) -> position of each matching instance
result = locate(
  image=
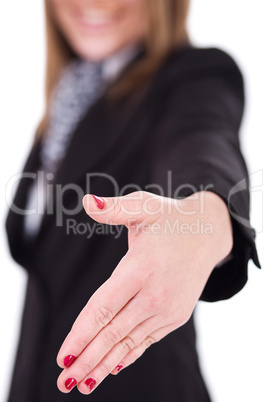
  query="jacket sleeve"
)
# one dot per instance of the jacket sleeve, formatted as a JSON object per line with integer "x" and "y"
{"x": 196, "y": 147}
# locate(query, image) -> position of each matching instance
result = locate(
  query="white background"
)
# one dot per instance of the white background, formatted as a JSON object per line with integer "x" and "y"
{"x": 232, "y": 335}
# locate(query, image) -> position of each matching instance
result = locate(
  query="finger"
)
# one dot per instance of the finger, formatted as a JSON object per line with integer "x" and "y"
{"x": 101, "y": 308}
{"x": 126, "y": 210}
{"x": 138, "y": 351}
{"x": 107, "y": 364}
{"x": 87, "y": 376}
{"x": 114, "y": 334}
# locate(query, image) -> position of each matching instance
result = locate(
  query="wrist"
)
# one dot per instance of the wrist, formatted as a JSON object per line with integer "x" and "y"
{"x": 210, "y": 209}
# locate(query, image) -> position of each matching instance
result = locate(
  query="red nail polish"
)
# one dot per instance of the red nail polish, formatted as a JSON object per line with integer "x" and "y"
{"x": 68, "y": 361}
{"x": 119, "y": 367}
{"x": 99, "y": 201}
{"x": 70, "y": 383}
{"x": 90, "y": 383}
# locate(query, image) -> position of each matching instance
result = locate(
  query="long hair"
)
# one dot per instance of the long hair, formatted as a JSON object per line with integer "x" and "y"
{"x": 166, "y": 30}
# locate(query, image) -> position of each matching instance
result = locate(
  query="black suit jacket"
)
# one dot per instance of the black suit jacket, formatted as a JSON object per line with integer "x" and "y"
{"x": 183, "y": 134}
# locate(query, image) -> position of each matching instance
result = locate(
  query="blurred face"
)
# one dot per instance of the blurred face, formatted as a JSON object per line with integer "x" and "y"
{"x": 96, "y": 29}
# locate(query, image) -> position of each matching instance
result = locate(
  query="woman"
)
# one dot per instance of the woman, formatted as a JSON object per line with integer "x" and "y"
{"x": 146, "y": 125}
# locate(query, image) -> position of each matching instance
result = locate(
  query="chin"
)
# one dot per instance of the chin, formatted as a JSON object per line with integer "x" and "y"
{"x": 96, "y": 51}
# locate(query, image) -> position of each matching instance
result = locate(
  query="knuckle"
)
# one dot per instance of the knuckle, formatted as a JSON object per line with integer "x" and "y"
{"x": 117, "y": 206}
{"x": 149, "y": 341}
{"x": 112, "y": 337}
{"x": 138, "y": 193}
{"x": 105, "y": 370}
{"x": 128, "y": 344}
{"x": 153, "y": 206}
{"x": 155, "y": 302}
{"x": 103, "y": 316}
{"x": 136, "y": 353}
{"x": 85, "y": 367}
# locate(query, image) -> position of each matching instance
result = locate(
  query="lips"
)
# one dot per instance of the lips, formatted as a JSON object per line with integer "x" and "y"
{"x": 97, "y": 17}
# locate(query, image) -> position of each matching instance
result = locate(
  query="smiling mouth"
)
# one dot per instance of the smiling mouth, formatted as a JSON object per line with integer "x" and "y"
{"x": 97, "y": 18}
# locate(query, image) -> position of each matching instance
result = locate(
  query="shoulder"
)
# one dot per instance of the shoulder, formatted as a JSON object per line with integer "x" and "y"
{"x": 195, "y": 58}
{"x": 205, "y": 75}
{"x": 200, "y": 86}
{"x": 192, "y": 62}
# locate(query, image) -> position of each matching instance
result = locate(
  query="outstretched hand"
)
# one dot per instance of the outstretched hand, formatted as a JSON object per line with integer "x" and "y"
{"x": 154, "y": 288}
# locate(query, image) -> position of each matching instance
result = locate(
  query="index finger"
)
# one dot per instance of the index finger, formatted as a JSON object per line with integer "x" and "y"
{"x": 101, "y": 308}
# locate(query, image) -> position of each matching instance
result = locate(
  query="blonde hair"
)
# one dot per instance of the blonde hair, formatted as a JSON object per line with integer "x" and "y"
{"x": 166, "y": 31}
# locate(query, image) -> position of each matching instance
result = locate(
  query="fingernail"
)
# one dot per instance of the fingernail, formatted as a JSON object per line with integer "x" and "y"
{"x": 99, "y": 201}
{"x": 70, "y": 383}
{"x": 119, "y": 367}
{"x": 69, "y": 360}
{"x": 90, "y": 383}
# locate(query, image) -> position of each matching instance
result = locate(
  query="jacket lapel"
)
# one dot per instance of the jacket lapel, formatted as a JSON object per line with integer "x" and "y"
{"x": 92, "y": 140}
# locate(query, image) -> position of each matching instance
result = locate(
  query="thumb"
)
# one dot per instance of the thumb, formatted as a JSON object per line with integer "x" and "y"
{"x": 126, "y": 210}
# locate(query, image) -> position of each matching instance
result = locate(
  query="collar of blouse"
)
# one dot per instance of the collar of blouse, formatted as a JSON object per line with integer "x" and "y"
{"x": 114, "y": 64}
